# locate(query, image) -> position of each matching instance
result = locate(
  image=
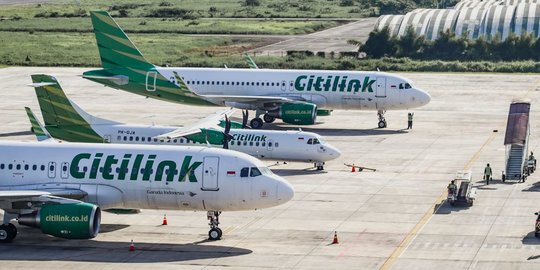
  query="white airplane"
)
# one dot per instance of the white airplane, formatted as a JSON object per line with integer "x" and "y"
{"x": 295, "y": 96}
{"x": 65, "y": 120}
{"x": 61, "y": 187}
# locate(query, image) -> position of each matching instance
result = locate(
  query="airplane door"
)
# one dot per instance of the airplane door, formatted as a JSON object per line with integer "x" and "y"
{"x": 151, "y": 80}
{"x": 64, "y": 173}
{"x": 270, "y": 145}
{"x": 381, "y": 87}
{"x": 107, "y": 138}
{"x": 210, "y": 174}
{"x": 51, "y": 170}
{"x": 283, "y": 85}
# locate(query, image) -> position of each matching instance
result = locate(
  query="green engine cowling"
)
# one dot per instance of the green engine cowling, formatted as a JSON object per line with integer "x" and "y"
{"x": 299, "y": 114}
{"x": 70, "y": 221}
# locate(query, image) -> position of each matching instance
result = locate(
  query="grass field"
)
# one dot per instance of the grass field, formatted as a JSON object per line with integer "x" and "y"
{"x": 199, "y": 8}
{"x": 155, "y": 25}
{"x": 79, "y": 49}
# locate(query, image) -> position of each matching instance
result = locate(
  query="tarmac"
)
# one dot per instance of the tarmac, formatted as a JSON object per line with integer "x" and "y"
{"x": 394, "y": 218}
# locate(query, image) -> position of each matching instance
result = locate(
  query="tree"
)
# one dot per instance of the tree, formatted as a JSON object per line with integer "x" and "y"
{"x": 379, "y": 44}
{"x": 410, "y": 44}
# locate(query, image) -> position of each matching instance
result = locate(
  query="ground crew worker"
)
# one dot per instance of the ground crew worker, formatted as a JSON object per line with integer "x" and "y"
{"x": 452, "y": 188}
{"x": 410, "y": 117}
{"x": 487, "y": 173}
{"x": 531, "y": 164}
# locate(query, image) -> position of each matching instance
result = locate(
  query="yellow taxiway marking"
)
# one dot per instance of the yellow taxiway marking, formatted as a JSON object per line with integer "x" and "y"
{"x": 435, "y": 207}
{"x": 427, "y": 216}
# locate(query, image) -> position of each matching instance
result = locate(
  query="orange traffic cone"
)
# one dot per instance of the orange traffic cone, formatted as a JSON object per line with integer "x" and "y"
{"x": 353, "y": 168}
{"x": 164, "y": 220}
{"x": 131, "y": 246}
{"x": 335, "y": 239}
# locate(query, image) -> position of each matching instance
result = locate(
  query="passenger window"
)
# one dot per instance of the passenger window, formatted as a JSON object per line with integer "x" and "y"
{"x": 250, "y": 143}
{"x": 137, "y": 138}
{"x": 181, "y": 140}
{"x": 242, "y": 83}
{"x": 42, "y": 167}
{"x": 175, "y": 140}
{"x": 130, "y": 138}
{"x": 245, "y": 143}
{"x": 51, "y": 168}
{"x": 257, "y": 83}
{"x": 244, "y": 172}
{"x": 264, "y": 144}
{"x": 18, "y": 166}
{"x": 125, "y": 138}
{"x": 26, "y": 167}
{"x": 119, "y": 138}
{"x": 227, "y": 83}
{"x": 143, "y": 138}
{"x": 276, "y": 144}
{"x": 2, "y": 166}
{"x": 257, "y": 144}
{"x": 310, "y": 141}
{"x": 155, "y": 139}
{"x": 252, "y": 83}
{"x": 269, "y": 144}
{"x": 272, "y": 84}
{"x": 34, "y": 167}
{"x": 254, "y": 172}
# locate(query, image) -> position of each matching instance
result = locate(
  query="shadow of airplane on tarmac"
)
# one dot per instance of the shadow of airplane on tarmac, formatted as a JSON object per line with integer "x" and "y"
{"x": 32, "y": 245}
{"x": 17, "y": 133}
{"x": 336, "y": 132}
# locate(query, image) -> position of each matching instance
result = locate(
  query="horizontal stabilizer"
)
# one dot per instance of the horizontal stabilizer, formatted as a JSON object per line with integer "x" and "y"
{"x": 117, "y": 79}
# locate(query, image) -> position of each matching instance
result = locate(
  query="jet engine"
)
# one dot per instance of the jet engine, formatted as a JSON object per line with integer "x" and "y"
{"x": 299, "y": 114}
{"x": 70, "y": 221}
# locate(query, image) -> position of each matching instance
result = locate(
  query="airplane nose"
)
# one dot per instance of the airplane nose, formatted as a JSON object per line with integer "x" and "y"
{"x": 424, "y": 97}
{"x": 335, "y": 153}
{"x": 285, "y": 192}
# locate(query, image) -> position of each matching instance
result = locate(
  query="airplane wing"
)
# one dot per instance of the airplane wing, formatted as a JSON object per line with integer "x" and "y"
{"x": 7, "y": 196}
{"x": 208, "y": 122}
{"x": 255, "y": 100}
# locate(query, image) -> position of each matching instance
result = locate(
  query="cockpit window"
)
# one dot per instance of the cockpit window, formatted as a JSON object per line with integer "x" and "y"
{"x": 316, "y": 141}
{"x": 255, "y": 172}
{"x": 407, "y": 86}
{"x": 244, "y": 172}
{"x": 401, "y": 86}
{"x": 265, "y": 171}
{"x": 310, "y": 141}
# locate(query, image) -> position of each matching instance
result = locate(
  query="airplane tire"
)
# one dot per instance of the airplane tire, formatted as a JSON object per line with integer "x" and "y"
{"x": 382, "y": 124}
{"x": 7, "y": 234}
{"x": 215, "y": 234}
{"x": 13, "y": 229}
{"x": 268, "y": 119}
{"x": 256, "y": 123}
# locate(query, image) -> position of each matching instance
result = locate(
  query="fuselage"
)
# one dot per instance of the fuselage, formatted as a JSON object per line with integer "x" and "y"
{"x": 147, "y": 177}
{"x": 328, "y": 89}
{"x": 293, "y": 145}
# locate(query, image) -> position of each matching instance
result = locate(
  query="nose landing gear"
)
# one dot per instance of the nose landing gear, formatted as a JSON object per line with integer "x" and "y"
{"x": 215, "y": 232}
{"x": 382, "y": 121}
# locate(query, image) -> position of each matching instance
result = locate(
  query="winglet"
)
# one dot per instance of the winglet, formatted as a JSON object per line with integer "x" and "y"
{"x": 250, "y": 61}
{"x": 37, "y": 128}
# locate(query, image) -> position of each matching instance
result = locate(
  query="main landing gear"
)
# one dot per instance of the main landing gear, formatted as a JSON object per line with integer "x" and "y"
{"x": 257, "y": 122}
{"x": 215, "y": 232}
{"x": 382, "y": 121}
{"x": 8, "y": 232}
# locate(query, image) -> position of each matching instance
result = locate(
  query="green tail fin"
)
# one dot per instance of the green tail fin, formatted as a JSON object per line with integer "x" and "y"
{"x": 115, "y": 48}
{"x": 37, "y": 128}
{"x": 63, "y": 119}
{"x": 250, "y": 61}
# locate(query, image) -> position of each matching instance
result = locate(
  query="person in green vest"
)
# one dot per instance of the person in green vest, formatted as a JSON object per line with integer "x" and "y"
{"x": 487, "y": 173}
{"x": 452, "y": 188}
